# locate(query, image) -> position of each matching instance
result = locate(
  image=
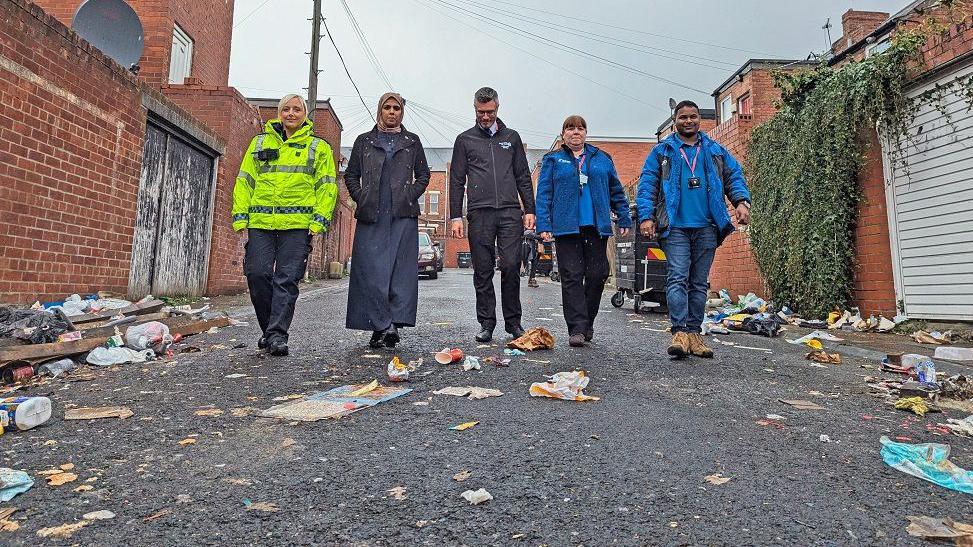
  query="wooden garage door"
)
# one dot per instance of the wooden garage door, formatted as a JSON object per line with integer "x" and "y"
{"x": 173, "y": 224}
{"x": 932, "y": 207}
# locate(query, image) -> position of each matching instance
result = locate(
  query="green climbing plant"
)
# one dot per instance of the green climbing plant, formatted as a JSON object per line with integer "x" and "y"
{"x": 803, "y": 167}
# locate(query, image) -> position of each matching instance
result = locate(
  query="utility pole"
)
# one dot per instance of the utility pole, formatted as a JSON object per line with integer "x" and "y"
{"x": 312, "y": 84}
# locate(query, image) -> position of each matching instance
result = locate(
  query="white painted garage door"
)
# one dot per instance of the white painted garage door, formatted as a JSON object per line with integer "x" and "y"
{"x": 931, "y": 209}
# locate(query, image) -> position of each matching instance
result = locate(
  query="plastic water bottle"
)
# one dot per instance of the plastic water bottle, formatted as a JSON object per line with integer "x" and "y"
{"x": 926, "y": 370}
{"x": 24, "y": 413}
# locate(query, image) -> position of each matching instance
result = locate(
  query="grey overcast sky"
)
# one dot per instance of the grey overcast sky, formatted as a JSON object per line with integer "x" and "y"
{"x": 615, "y": 62}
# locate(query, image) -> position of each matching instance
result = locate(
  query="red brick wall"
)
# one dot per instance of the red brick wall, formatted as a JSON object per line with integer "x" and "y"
{"x": 236, "y": 121}
{"x": 874, "y": 284}
{"x": 72, "y": 127}
{"x": 628, "y": 158}
{"x": 208, "y": 22}
{"x": 856, "y": 25}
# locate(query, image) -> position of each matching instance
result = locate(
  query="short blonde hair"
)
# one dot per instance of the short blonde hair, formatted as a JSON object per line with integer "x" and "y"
{"x": 288, "y": 97}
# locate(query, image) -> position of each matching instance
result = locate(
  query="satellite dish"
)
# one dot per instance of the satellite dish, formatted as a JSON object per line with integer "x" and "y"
{"x": 113, "y": 27}
{"x": 672, "y": 103}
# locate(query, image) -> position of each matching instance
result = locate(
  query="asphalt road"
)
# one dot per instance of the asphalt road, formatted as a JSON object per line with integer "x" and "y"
{"x": 629, "y": 469}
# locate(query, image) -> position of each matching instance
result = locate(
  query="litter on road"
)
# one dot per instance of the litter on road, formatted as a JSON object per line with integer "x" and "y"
{"x": 564, "y": 385}
{"x": 464, "y": 426}
{"x": 470, "y": 391}
{"x": 95, "y": 413}
{"x": 534, "y": 339}
{"x": 13, "y": 482}
{"x": 938, "y": 529}
{"x": 717, "y": 479}
{"x": 915, "y": 404}
{"x": 334, "y": 403}
{"x": 462, "y": 476}
{"x": 927, "y": 461}
{"x": 802, "y": 404}
{"x": 476, "y": 497}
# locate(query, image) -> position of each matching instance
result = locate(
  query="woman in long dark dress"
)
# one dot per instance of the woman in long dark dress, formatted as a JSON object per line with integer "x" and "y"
{"x": 386, "y": 174}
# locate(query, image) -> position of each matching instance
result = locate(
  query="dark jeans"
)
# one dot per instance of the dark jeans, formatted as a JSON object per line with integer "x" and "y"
{"x": 530, "y": 258}
{"x": 492, "y": 230}
{"x": 689, "y": 252}
{"x": 274, "y": 263}
{"x": 582, "y": 262}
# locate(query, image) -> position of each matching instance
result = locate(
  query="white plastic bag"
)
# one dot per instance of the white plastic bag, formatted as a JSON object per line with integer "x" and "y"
{"x": 104, "y": 357}
{"x": 152, "y": 335}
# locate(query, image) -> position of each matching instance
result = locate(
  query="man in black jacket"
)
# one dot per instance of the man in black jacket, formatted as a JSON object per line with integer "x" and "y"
{"x": 490, "y": 164}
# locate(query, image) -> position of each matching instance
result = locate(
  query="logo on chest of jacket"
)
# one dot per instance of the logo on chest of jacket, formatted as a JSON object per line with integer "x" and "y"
{"x": 506, "y": 145}
{"x": 562, "y": 160}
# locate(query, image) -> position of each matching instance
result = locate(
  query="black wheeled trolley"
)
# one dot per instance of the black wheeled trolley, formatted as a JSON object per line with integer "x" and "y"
{"x": 640, "y": 270}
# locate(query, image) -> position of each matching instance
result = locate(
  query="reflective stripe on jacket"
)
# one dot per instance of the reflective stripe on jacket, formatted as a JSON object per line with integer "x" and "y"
{"x": 295, "y": 190}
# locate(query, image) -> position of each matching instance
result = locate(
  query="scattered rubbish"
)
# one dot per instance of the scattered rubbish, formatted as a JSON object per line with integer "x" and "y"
{"x": 61, "y": 477}
{"x": 717, "y": 479}
{"x": 884, "y": 325}
{"x": 190, "y": 349}
{"x": 534, "y": 339}
{"x": 32, "y": 326}
{"x": 957, "y": 387}
{"x": 235, "y": 375}
{"x": 104, "y": 356}
{"x": 398, "y": 493}
{"x": 540, "y": 361}
{"x": 934, "y": 529}
{"x": 962, "y": 428}
{"x": 464, "y": 426}
{"x": 288, "y": 442}
{"x": 7, "y": 525}
{"x": 397, "y": 370}
{"x": 63, "y": 531}
{"x": 99, "y": 515}
{"x": 772, "y": 423}
{"x": 927, "y": 461}
{"x": 915, "y": 404}
{"x": 263, "y": 506}
{"x": 152, "y": 335}
{"x": 95, "y": 413}
{"x": 58, "y": 367}
{"x": 462, "y": 476}
{"x": 816, "y": 335}
{"x": 447, "y": 356}
{"x": 926, "y": 370}
{"x": 290, "y": 397}
{"x": 497, "y": 361}
{"x": 934, "y": 337}
{"x": 334, "y": 403}
{"x": 802, "y": 404}
{"x": 514, "y": 352}
{"x": 777, "y": 417}
{"x": 471, "y": 391}
{"x": 187, "y": 441}
{"x": 824, "y": 357}
{"x": 564, "y": 385}
{"x": 824, "y": 438}
{"x": 372, "y": 356}
{"x": 13, "y": 482}
{"x": 471, "y": 363}
{"x": 157, "y": 515}
{"x": 954, "y": 354}
{"x": 476, "y": 497}
{"x": 211, "y": 412}
{"x": 23, "y": 413}
{"x": 238, "y": 482}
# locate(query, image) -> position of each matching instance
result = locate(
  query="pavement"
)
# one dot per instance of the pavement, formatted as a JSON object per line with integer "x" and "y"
{"x": 629, "y": 469}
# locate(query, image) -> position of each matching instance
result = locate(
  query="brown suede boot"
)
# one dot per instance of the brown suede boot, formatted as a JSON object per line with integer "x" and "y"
{"x": 680, "y": 345}
{"x": 697, "y": 347}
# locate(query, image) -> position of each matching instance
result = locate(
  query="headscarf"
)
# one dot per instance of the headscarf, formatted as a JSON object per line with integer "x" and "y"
{"x": 381, "y": 123}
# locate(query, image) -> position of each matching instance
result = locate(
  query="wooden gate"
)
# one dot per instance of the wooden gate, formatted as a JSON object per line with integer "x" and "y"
{"x": 173, "y": 227}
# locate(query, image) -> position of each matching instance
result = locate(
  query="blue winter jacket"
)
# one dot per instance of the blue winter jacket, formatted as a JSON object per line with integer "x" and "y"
{"x": 724, "y": 177}
{"x": 558, "y": 191}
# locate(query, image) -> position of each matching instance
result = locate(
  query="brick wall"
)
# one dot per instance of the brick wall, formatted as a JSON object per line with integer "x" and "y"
{"x": 856, "y": 25}
{"x": 72, "y": 126}
{"x": 227, "y": 113}
{"x": 208, "y": 22}
{"x": 628, "y": 158}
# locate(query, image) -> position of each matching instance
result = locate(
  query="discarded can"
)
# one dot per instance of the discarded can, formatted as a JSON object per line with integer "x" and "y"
{"x": 17, "y": 371}
{"x": 24, "y": 413}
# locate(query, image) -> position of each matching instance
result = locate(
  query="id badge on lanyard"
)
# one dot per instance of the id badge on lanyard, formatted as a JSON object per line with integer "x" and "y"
{"x": 581, "y": 175}
{"x": 693, "y": 181}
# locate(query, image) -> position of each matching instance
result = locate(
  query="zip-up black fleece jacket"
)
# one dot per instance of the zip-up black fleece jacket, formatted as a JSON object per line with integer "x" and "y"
{"x": 492, "y": 170}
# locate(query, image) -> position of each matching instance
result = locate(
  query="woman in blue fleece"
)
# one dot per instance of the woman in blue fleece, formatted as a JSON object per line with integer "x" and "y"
{"x": 576, "y": 193}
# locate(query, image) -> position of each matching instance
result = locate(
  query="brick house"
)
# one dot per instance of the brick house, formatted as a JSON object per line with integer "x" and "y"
{"x": 915, "y": 228}
{"x": 114, "y": 181}
{"x": 335, "y": 245}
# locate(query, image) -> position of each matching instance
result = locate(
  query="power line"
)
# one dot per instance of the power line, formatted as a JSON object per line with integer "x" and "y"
{"x": 247, "y": 16}
{"x": 611, "y": 40}
{"x": 629, "y": 29}
{"x": 532, "y": 54}
{"x": 566, "y": 47}
{"x": 342, "y": 59}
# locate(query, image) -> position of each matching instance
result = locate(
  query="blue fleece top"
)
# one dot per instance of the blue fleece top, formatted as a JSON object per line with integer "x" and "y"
{"x": 693, "y": 209}
{"x": 586, "y": 207}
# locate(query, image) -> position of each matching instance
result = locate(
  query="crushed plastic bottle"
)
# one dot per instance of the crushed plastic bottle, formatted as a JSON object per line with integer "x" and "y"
{"x": 23, "y": 413}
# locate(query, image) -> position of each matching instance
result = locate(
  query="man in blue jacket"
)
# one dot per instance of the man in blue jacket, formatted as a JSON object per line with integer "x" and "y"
{"x": 681, "y": 199}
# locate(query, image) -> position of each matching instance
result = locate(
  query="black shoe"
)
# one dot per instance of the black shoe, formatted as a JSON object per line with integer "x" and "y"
{"x": 263, "y": 343}
{"x": 485, "y": 335}
{"x": 278, "y": 349}
{"x": 576, "y": 341}
{"x": 588, "y": 335}
{"x": 391, "y": 337}
{"x": 516, "y": 332}
{"x": 378, "y": 339}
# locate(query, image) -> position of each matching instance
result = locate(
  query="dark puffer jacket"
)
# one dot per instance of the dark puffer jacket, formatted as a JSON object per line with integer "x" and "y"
{"x": 409, "y": 176}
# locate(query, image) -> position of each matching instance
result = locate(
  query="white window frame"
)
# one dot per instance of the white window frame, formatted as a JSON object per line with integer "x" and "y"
{"x": 422, "y": 204}
{"x": 726, "y": 108}
{"x": 180, "y": 56}
{"x": 434, "y": 203}
{"x": 878, "y": 47}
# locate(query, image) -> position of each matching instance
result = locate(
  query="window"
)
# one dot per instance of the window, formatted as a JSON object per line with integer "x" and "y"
{"x": 422, "y": 204}
{"x": 745, "y": 105}
{"x": 725, "y": 108}
{"x": 181, "y": 57}
{"x": 434, "y": 203}
{"x": 878, "y": 47}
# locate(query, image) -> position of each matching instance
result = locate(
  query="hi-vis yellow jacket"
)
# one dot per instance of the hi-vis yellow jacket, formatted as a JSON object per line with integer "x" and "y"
{"x": 285, "y": 185}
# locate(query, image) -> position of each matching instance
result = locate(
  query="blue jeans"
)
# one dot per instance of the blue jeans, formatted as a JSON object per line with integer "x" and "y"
{"x": 689, "y": 252}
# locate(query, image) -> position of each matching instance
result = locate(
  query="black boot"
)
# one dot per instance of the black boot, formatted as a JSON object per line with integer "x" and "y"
{"x": 391, "y": 337}
{"x": 263, "y": 343}
{"x": 378, "y": 339}
{"x": 517, "y": 331}
{"x": 278, "y": 348}
{"x": 485, "y": 335}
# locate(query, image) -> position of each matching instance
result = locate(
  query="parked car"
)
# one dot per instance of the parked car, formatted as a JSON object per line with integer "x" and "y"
{"x": 464, "y": 259}
{"x": 440, "y": 255}
{"x": 427, "y": 256}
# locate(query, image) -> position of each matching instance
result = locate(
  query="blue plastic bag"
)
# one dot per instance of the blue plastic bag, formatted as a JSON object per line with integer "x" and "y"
{"x": 928, "y": 461}
{"x": 13, "y": 482}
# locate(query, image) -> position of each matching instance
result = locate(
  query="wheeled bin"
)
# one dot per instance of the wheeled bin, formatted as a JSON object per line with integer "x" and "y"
{"x": 640, "y": 270}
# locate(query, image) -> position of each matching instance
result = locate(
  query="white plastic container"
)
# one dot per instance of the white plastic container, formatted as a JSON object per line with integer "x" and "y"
{"x": 952, "y": 353}
{"x": 24, "y": 413}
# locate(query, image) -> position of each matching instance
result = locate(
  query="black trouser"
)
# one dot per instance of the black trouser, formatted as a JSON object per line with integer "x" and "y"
{"x": 582, "y": 261}
{"x": 274, "y": 263}
{"x": 530, "y": 258}
{"x": 492, "y": 230}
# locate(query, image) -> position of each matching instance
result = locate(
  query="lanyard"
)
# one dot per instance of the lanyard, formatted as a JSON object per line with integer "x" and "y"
{"x": 692, "y": 166}
{"x": 581, "y": 159}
